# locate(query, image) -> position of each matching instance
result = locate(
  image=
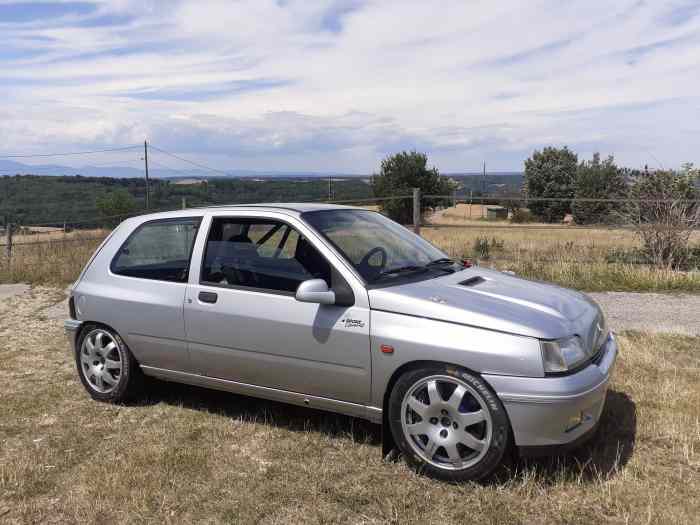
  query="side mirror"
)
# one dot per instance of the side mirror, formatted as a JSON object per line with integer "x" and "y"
{"x": 315, "y": 291}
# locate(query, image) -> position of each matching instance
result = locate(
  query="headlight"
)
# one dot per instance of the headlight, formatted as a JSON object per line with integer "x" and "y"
{"x": 563, "y": 354}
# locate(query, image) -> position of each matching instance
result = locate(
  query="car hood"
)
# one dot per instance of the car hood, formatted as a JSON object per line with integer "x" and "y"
{"x": 495, "y": 301}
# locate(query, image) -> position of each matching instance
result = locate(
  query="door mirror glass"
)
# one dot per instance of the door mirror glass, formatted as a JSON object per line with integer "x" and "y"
{"x": 315, "y": 291}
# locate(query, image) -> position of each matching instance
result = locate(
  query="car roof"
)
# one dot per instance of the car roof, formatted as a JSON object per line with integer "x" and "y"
{"x": 299, "y": 207}
{"x": 295, "y": 208}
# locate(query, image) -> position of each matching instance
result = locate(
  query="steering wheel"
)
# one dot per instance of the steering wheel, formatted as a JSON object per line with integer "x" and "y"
{"x": 364, "y": 265}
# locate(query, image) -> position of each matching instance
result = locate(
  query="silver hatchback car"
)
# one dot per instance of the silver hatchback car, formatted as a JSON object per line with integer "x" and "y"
{"x": 341, "y": 309}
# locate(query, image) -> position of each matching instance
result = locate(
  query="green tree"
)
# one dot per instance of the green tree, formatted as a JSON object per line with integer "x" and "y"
{"x": 117, "y": 202}
{"x": 598, "y": 180}
{"x": 402, "y": 172}
{"x": 551, "y": 174}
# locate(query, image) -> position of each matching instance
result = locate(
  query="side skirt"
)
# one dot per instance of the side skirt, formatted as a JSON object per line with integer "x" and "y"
{"x": 372, "y": 414}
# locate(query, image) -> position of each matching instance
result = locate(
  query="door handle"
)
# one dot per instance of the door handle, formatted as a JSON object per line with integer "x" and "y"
{"x": 208, "y": 297}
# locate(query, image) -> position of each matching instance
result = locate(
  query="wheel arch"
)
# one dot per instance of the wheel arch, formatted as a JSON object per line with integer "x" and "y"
{"x": 90, "y": 325}
{"x": 388, "y": 443}
{"x": 413, "y": 365}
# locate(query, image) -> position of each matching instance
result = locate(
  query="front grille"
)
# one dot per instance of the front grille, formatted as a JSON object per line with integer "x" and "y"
{"x": 600, "y": 353}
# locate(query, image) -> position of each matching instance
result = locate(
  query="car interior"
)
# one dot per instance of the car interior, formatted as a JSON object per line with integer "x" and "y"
{"x": 262, "y": 254}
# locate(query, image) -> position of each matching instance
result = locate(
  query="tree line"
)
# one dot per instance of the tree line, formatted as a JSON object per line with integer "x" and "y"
{"x": 660, "y": 205}
{"x": 571, "y": 186}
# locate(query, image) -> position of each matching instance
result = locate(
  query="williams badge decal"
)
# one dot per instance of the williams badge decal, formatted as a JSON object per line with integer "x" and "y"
{"x": 353, "y": 323}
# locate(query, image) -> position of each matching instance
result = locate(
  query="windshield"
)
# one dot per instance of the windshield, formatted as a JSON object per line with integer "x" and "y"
{"x": 377, "y": 247}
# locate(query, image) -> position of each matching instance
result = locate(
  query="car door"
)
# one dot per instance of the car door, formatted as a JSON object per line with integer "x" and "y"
{"x": 244, "y": 324}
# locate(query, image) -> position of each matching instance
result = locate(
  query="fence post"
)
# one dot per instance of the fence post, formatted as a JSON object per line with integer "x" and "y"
{"x": 454, "y": 199}
{"x": 8, "y": 245}
{"x": 416, "y": 210}
{"x": 184, "y": 203}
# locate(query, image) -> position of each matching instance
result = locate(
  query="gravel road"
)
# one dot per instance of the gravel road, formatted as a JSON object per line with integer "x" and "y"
{"x": 650, "y": 312}
{"x": 11, "y": 290}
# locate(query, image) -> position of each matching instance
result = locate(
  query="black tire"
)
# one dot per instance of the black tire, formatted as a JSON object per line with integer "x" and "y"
{"x": 129, "y": 379}
{"x": 497, "y": 441}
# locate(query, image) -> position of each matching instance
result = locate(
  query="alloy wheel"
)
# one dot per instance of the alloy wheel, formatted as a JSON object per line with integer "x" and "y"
{"x": 446, "y": 422}
{"x": 101, "y": 361}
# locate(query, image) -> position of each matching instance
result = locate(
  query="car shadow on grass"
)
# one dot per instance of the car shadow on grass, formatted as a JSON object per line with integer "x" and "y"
{"x": 251, "y": 409}
{"x": 603, "y": 457}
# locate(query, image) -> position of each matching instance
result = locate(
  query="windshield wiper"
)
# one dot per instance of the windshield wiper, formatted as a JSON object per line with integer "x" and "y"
{"x": 443, "y": 260}
{"x": 400, "y": 269}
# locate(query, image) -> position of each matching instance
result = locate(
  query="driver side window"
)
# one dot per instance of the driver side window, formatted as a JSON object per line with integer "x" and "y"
{"x": 260, "y": 254}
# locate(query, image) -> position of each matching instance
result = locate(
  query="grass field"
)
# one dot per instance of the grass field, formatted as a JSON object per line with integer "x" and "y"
{"x": 54, "y": 261}
{"x": 592, "y": 259}
{"x": 52, "y": 235}
{"x": 184, "y": 454}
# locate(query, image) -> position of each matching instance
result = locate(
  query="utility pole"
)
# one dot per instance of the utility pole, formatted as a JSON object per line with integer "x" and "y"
{"x": 145, "y": 159}
{"x": 416, "y": 211}
{"x": 330, "y": 187}
{"x": 8, "y": 241}
{"x": 485, "y": 189}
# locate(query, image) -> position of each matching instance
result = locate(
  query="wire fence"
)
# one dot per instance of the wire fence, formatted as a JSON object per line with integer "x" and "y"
{"x": 449, "y": 201}
{"x": 468, "y": 230}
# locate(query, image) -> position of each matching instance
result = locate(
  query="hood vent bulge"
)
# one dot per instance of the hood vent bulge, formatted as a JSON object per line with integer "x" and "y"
{"x": 473, "y": 281}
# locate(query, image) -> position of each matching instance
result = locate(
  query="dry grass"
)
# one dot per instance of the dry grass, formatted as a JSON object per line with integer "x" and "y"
{"x": 58, "y": 261}
{"x": 460, "y": 213}
{"x": 53, "y": 235}
{"x": 186, "y": 454}
{"x": 572, "y": 257}
{"x": 583, "y": 258}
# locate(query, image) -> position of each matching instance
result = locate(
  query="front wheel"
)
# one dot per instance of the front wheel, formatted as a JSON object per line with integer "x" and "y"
{"x": 448, "y": 423}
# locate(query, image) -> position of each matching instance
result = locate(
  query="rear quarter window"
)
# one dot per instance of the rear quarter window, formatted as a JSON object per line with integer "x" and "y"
{"x": 159, "y": 250}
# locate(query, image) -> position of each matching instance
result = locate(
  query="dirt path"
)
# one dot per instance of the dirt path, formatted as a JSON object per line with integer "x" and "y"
{"x": 651, "y": 312}
{"x": 11, "y": 290}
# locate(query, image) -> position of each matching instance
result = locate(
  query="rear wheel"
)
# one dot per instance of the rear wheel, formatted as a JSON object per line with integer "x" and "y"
{"x": 448, "y": 423}
{"x": 106, "y": 367}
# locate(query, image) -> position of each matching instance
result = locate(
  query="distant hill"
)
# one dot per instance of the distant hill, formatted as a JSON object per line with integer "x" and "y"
{"x": 8, "y": 167}
{"x": 51, "y": 193}
{"x": 32, "y": 199}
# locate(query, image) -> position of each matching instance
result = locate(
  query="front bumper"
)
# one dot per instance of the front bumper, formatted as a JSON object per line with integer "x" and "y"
{"x": 71, "y": 327}
{"x": 557, "y": 411}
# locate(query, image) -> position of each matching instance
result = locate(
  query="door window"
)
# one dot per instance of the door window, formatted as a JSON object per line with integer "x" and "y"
{"x": 158, "y": 250}
{"x": 260, "y": 253}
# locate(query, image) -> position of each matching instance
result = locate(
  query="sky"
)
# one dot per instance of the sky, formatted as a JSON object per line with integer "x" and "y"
{"x": 335, "y": 86}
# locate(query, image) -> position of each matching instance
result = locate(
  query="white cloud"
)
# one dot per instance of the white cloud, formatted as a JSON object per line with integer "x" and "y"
{"x": 337, "y": 85}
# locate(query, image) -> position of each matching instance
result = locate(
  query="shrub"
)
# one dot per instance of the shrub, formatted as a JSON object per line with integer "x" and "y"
{"x": 522, "y": 215}
{"x": 483, "y": 246}
{"x": 664, "y": 212}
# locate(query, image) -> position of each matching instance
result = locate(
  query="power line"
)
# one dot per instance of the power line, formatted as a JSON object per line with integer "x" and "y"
{"x": 203, "y": 166}
{"x": 43, "y": 155}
